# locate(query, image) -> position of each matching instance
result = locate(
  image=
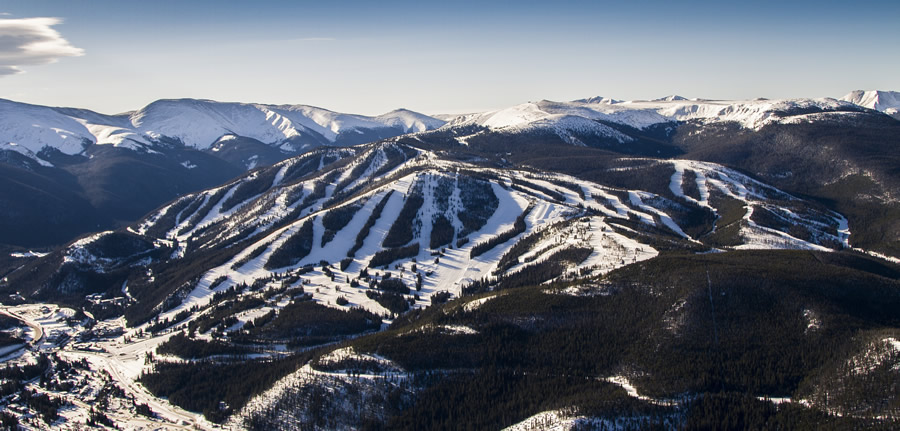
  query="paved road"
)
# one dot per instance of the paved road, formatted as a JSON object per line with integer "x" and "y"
{"x": 36, "y": 327}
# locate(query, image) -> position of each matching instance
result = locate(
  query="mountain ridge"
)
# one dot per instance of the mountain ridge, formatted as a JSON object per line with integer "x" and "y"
{"x": 884, "y": 101}
{"x": 559, "y": 262}
{"x": 196, "y": 123}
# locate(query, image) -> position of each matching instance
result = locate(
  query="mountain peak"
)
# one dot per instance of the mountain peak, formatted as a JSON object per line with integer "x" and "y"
{"x": 598, "y": 99}
{"x": 672, "y": 98}
{"x": 884, "y": 101}
{"x": 409, "y": 121}
{"x": 197, "y": 123}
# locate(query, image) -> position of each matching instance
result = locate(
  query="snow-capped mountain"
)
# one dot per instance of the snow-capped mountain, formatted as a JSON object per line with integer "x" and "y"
{"x": 884, "y": 101}
{"x": 192, "y": 141}
{"x": 643, "y": 114}
{"x": 835, "y": 150}
{"x": 364, "y": 286}
{"x": 606, "y": 122}
{"x": 96, "y": 171}
{"x": 197, "y": 124}
{"x": 387, "y": 205}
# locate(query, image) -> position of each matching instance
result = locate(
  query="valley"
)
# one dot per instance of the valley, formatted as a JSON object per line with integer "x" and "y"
{"x": 591, "y": 263}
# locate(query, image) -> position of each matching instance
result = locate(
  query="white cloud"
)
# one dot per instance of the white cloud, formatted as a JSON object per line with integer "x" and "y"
{"x": 30, "y": 42}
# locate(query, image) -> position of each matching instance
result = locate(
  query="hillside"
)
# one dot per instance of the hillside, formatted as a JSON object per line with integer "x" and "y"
{"x": 836, "y": 153}
{"x": 669, "y": 351}
{"x": 550, "y": 266}
{"x": 68, "y": 171}
{"x": 198, "y": 124}
{"x": 884, "y": 101}
{"x": 387, "y": 205}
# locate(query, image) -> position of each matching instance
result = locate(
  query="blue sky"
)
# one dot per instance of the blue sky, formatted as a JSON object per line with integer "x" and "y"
{"x": 373, "y": 56}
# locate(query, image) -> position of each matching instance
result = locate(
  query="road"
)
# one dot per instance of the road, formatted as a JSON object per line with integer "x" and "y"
{"x": 36, "y": 327}
{"x": 176, "y": 417}
{"x": 171, "y": 417}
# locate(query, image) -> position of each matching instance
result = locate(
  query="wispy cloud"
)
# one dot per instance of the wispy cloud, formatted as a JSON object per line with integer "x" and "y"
{"x": 31, "y": 42}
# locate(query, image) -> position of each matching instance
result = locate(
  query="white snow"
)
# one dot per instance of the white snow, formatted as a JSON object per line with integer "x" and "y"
{"x": 624, "y": 383}
{"x": 877, "y": 353}
{"x": 77, "y": 253}
{"x": 566, "y": 419}
{"x": 35, "y": 127}
{"x": 409, "y": 121}
{"x": 676, "y": 183}
{"x": 637, "y": 200}
{"x": 612, "y": 245}
{"x": 200, "y": 123}
{"x": 776, "y": 400}
{"x": 308, "y": 375}
{"x": 883, "y": 256}
{"x": 477, "y": 303}
{"x": 884, "y": 101}
{"x": 349, "y": 353}
{"x": 28, "y": 253}
{"x": 752, "y": 114}
{"x": 554, "y": 420}
{"x": 195, "y": 123}
{"x": 813, "y": 321}
{"x": 449, "y": 329}
{"x": 561, "y": 224}
{"x": 11, "y": 146}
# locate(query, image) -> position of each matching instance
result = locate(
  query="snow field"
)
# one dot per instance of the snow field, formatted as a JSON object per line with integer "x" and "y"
{"x": 751, "y": 114}
{"x": 452, "y": 268}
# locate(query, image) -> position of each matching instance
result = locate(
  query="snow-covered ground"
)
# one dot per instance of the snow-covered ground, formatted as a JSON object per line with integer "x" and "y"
{"x": 53, "y": 331}
{"x": 563, "y": 212}
{"x": 196, "y": 123}
{"x": 641, "y": 114}
{"x": 335, "y": 380}
{"x": 553, "y": 420}
{"x": 884, "y": 101}
{"x": 451, "y": 268}
{"x": 203, "y": 123}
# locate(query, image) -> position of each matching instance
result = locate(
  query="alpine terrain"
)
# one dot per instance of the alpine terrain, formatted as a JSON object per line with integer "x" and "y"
{"x": 594, "y": 264}
{"x": 67, "y": 172}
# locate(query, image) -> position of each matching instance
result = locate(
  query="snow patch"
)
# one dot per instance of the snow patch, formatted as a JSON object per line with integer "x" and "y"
{"x": 751, "y": 114}
{"x": 11, "y": 146}
{"x": 554, "y": 420}
{"x": 28, "y": 253}
{"x": 477, "y": 303}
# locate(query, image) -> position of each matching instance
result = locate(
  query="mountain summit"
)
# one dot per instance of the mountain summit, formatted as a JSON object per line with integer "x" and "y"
{"x": 199, "y": 124}
{"x": 884, "y": 101}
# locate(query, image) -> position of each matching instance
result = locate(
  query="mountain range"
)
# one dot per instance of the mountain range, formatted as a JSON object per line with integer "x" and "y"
{"x": 674, "y": 263}
{"x": 70, "y": 171}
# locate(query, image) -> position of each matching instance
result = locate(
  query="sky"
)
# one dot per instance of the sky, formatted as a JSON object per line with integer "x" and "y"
{"x": 370, "y": 57}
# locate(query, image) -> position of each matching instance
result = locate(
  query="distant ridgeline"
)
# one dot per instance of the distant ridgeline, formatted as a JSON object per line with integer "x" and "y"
{"x": 670, "y": 264}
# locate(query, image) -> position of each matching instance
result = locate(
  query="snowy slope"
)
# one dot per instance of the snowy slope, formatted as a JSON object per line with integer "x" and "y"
{"x": 200, "y": 123}
{"x": 884, "y": 101}
{"x": 34, "y": 127}
{"x": 238, "y": 242}
{"x": 16, "y": 148}
{"x": 409, "y": 121}
{"x": 195, "y": 123}
{"x": 642, "y": 114}
{"x": 563, "y": 213}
